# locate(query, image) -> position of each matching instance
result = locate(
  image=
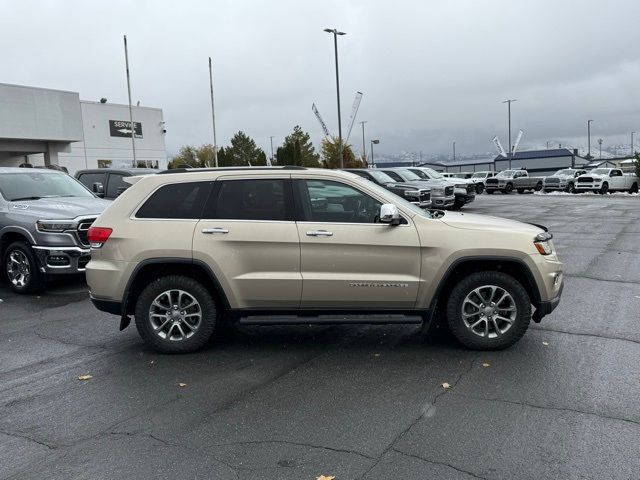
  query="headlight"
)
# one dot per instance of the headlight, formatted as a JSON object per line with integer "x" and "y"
{"x": 542, "y": 243}
{"x": 437, "y": 191}
{"x": 411, "y": 193}
{"x": 54, "y": 226}
{"x": 461, "y": 185}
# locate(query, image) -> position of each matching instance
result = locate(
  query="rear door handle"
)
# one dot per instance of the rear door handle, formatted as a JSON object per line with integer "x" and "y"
{"x": 319, "y": 233}
{"x": 211, "y": 231}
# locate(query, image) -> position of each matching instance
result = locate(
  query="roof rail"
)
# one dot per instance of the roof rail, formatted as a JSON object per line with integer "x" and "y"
{"x": 224, "y": 169}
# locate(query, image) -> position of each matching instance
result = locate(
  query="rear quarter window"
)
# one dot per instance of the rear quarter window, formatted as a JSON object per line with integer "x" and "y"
{"x": 176, "y": 200}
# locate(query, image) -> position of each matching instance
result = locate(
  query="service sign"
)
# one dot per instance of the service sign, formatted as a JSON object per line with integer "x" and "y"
{"x": 120, "y": 128}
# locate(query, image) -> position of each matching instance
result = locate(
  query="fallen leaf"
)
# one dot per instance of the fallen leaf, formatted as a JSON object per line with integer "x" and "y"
{"x": 324, "y": 477}
{"x": 85, "y": 377}
{"x": 151, "y": 362}
{"x": 182, "y": 385}
{"x": 446, "y": 386}
{"x": 485, "y": 365}
{"x": 376, "y": 354}
{"x": 546, "y": 344}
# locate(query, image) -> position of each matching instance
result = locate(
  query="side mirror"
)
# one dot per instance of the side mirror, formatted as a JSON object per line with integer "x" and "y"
{"x": 98, "y": 189}
{"x": 389, "y": 214}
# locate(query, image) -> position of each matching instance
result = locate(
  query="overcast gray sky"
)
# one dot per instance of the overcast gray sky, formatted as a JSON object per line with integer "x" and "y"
{"x": 431, "y": 71}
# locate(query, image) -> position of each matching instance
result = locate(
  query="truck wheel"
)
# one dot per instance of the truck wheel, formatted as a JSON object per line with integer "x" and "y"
{"x": 538, "y": 186}
{"x": 634, "y": 188}
{"x": 488, "y": 310}
{"x": 479, "y": 188}
{"x": 21, "y": 269}
{"x": 176, "y": 314}
{"x": 508, "y": 188}
{"x": 604, "y": 189}
{"x": 490, "y": 192}
{"x": 571, "y": 188}
{"x": 521, "y": 190}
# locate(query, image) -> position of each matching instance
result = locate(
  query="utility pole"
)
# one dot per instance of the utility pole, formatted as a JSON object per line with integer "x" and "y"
{"x": 589, "y": 138}
{"x": 271, "y": 140}
{"x": 335, "y": 33}
{"x": 508, "y": 102}
{"x": 600, "y": 145}
{"x": 133, "y": 128}
{"x": 364, "y": 148}
{"x": 213, "y": 118}
{"x": 632, "y": 143}
{"x": 454, "y": 151}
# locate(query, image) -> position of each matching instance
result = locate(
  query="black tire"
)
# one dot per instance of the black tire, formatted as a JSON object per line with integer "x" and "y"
{"x": 544, "y": 190}
{"x": 571, "y": 188}
{"x": 521, "y": 190}
{"x": 604, "y": 189}
{"x": 195, "y": 289}
{"x": 472, "y": 340}
{"x": 35, "y": 279}
{"x": 508, "y": 188}
{"x": 538, "y": 187}
{"x": 634, "y": 188}
{"x": 490, "y": 192}
{"x": 479, "y": 188}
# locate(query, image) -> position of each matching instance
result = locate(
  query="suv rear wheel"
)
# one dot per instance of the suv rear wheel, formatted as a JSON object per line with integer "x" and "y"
{"x": 21, "y": 268}
{"x": 176, "y": 314}
{"x": 488, "y": 311}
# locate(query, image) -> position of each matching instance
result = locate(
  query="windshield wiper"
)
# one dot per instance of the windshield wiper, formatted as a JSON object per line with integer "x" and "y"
{"x": 25, "y": 198}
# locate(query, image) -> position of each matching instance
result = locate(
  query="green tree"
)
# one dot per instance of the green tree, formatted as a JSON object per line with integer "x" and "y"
{"x": 637, "y": 164}
{"x": 244, "y": 151}
{"x": 186, "y": 156}
{"x": 223, "y": 161}
{"x": 297, "y": 149}
{"x": 331, "y": 154}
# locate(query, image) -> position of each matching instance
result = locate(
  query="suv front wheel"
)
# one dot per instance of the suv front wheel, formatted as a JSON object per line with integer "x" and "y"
{"x": 488, "y": 311}
{"x": 176, "y": 314}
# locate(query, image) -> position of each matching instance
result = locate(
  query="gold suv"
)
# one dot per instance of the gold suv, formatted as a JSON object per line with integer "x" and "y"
{"x": 184, "y": 249}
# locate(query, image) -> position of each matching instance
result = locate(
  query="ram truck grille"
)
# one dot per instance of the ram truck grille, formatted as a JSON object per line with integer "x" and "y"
{"x": 83, "y": 228}
{"x": 492, "y": 181}
{"x": 585, "y": 180}
{"x": 551, "y": 180}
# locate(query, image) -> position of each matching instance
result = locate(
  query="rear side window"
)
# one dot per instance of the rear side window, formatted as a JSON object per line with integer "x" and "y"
{"x": 116, "y": 185}
{"x": 177, "y": 200}
{"x": 263, "y": 199}
{"x": 88, "y": 179}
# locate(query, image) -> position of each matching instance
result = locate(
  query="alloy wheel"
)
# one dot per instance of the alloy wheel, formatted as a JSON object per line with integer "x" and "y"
{"x": 489, "y": 311}
{"x": 18, "y": 269}
{"x": 175, "y": 315}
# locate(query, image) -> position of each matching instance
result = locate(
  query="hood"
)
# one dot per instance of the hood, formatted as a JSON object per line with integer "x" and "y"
{"x": 60, "y": 207}
{"x": 472, "y": 221}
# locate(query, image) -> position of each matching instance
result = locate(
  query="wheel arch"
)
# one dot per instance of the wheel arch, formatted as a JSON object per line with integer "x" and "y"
{"x": 151, "y": 269}
{"x": 466, "y": 265}
{"x": 10, "y": 235}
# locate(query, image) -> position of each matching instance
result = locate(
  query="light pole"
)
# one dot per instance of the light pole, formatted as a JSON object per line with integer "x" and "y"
{"x": 335, "y": 33}
{"x": 454, "y": 151}
{"x": 271, "y": 140}
{"x": 133, "y": 125}
{"x": 364, "y": 148}
{"x": 632, "y": 143}
{"x": 600, "y": 145}
{"x": 213, "y": 117}
{"x": 373, "y": 142}
{"x": 589, "y": 138}
{"x": 508, "y": 102}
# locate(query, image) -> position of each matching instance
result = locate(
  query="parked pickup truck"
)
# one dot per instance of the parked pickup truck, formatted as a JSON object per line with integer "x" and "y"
{"x": 604, "y": 180}
{"x": 44, "y": 219}
{"x": 442, "y": 193}
{"x": 508, "y": 180}
{"x": 420, "y": 196}
{"x": 109, "y": 183}
{"x": 464, "y": 190}
{"x": 480, "y": 178}
{"x": 564, "y": 179}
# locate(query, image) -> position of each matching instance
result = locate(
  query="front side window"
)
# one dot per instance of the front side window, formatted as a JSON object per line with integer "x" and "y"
{"x": 330, "y": 201}
{"x": 176, "y": 201}
{"x": 254, "y": 199}
{"x": 33, "y": 185}
{"x": 394, "y": 175}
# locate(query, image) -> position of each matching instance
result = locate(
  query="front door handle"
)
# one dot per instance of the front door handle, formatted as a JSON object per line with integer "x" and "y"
{"x": 211, "y": 231}
{"x": 319, "y": 233}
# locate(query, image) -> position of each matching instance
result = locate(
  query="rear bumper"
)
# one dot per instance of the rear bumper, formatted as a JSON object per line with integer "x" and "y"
{"x": 109, "y": 306}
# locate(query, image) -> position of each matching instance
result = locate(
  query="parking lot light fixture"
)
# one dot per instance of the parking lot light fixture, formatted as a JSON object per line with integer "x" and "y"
{"x": 335, "y": 33}
{"x": 373, "y": 142}
{"x": 589, "y": 139}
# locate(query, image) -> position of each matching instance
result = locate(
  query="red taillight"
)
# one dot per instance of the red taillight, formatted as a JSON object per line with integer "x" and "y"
{"x": 98, "y": 235}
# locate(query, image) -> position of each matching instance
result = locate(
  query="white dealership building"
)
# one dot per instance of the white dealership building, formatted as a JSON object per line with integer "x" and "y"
{"x": 40, "y": 126}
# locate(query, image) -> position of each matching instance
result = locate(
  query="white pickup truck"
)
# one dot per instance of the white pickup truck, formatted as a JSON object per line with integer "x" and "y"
{"x": 604, "y": 180}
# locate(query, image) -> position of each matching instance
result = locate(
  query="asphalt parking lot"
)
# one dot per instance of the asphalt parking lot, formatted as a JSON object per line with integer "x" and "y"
{"x": 354, "y": 402}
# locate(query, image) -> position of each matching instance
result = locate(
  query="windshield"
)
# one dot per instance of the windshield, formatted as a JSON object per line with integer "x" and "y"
{"x": 380, "y": 177}
{"x": 35, "y": 185}
{"x": 600, "y": 171}
{"x": 563, "y": 173}
{"x": 506, "y": 174}
{"x": 408, "y": 175}
{"x": 432, "y": 173}
{"x": 479, "y": 175}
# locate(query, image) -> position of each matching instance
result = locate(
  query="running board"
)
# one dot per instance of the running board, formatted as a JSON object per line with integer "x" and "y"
{"x": 331, "y": 320}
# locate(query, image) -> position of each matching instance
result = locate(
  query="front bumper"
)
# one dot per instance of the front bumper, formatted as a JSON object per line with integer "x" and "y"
{"x": 62, "y": 260}
{"x": 464, "y": 198}
{"x": 546, "y": 307}
{"x": 442, "y": 202}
